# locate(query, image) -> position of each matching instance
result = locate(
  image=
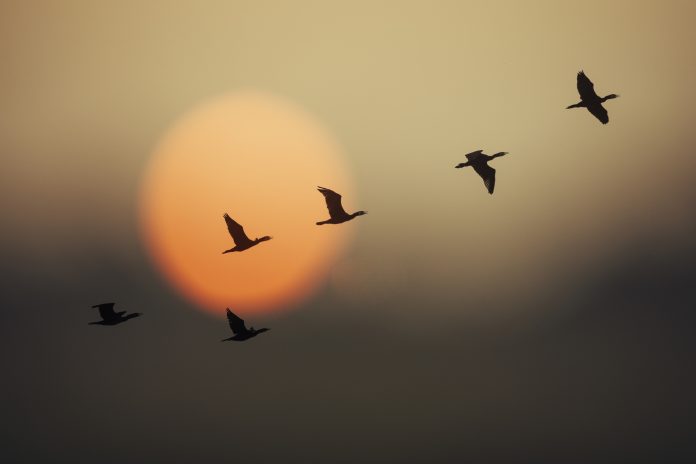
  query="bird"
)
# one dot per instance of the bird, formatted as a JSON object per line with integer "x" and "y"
{"x": 479, "y": 161}
{"x": 590, "y": 100}
{"x": 109, "y": 317}
{"x": 241, "y": 333}
{"x": 336, "y": 211}
{"x": 241, "y": 241}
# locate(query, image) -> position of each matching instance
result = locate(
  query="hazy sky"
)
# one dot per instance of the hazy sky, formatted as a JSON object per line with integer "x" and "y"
{"x": 550, "y": 322}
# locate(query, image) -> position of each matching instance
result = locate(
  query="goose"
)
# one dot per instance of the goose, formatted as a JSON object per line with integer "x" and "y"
{"x": 590, "y": 100}
{"x": 336, "y": 211}
{"x": 241, "y": 333}
{"x": 241, "y": 241}
{"x": 109, "y": 317}
{"x": 479, "y": 161}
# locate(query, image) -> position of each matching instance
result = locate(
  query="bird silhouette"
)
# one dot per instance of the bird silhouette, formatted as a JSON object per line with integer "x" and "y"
{"x": 109, "y": 317}
{"x": 241, "y": 241}
{"x": 479, "y": 161}
{"x": 241, "y": 333}
{"x": 336, "y": 211}
{"x": 590, "y": 100}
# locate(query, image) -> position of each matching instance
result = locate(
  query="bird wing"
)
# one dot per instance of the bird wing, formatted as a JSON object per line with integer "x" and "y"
{"x": 333, "y": 202}
{"x": 599, "y": 112}
{"x": 487, "y": 173}
{"x": 236, "y": 231}
{"x": 106, "y": 310}
{"x": 236, "y": 323}
{"x": 586, "y": 87}
{"x": 474, "y": 154}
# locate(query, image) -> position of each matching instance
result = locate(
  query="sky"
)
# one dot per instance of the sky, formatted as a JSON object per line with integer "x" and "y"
{"x": 549, "y": 322}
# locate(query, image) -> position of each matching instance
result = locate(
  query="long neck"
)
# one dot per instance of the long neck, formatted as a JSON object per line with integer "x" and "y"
{"x": 498, "y": 154}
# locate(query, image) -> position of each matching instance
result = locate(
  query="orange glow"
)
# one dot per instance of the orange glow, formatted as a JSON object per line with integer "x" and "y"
{"x": 258, "y": 158}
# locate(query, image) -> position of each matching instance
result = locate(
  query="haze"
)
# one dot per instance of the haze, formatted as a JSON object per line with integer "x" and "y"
{"x": 550, "y": 322}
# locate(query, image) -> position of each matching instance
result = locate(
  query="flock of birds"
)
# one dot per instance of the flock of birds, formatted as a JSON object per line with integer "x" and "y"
{"x": 337, "y": 215}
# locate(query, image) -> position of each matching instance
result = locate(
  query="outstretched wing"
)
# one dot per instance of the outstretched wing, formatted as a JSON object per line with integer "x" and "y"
{"x": 586, "y": 87}
{"x": 106, "y": 310}
{"x": 236, "y": 231}
{"x": 236, "y": 323}
{"x": 333, "y": 202}
{"x": 599, "y": 112}
{"x": 474, "y": 155}
{"x": 487, "y": 173}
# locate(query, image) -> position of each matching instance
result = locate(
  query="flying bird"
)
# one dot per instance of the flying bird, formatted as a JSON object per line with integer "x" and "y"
{"x": 241, "y": 241}
{"x": 479, "y": 161}
{"x": 109, "y": 317}
{"x": 336, "y": 211}
{"x": 241, "y": 333}
{"x": 590, "y": 100}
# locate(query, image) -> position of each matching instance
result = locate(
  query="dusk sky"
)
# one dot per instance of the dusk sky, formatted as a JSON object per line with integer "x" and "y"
{"x": 550, "y": 322}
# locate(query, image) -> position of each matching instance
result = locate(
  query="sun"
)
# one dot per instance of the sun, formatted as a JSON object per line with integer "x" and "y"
{"x": 259, "y": 158}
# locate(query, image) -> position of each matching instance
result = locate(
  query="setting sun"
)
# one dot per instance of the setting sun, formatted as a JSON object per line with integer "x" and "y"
{"x": 258, "y": 158}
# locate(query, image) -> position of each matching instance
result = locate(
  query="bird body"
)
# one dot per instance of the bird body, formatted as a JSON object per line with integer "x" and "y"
{"x": 110, "y": 317}
{"x": 241, "y": 333}
{"x": 241, "y": 240}
{"x": 590, "y": 100}
{"x": 336, "y": 211}
{"x": 479, "y": 161}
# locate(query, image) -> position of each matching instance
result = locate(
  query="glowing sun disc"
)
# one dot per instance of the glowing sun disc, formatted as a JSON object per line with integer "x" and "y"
{"x": 259, "y": 158}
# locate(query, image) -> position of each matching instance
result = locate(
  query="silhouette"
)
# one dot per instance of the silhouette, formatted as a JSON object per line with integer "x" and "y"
{"x": 241, "y": 241}
{"x": 241, "y": 333}
{"x": 590, "y": 100}
{"x": 109, "y": 317}
{"x": 336, "y": 211}
{"x": 479, "y": 161}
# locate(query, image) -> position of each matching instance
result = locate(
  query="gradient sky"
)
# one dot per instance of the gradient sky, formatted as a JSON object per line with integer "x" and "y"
{"x": 550, "y": 322}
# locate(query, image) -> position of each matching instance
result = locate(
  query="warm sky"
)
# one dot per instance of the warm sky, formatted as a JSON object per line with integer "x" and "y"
{"x": 550, "y": 322}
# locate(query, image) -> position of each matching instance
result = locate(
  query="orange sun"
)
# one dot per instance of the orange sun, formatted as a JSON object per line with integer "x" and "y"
{"x": 258, "y": 158}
